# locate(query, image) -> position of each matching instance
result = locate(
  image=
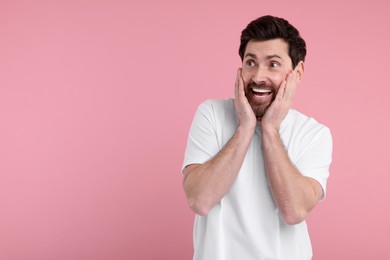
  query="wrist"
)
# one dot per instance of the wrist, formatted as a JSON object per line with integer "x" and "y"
{"x": 270, "y": 135}
{"x": 269, "y": 130}
{"x": 246, "y": 130}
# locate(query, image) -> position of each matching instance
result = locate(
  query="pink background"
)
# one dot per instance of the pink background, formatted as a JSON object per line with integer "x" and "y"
{"x": 96, "y": 99}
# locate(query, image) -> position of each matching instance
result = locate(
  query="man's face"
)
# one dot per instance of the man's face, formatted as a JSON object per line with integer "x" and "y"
{"x": 265, "y": 66}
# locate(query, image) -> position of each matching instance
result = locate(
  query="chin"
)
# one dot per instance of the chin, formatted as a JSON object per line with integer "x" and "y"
{"x": 259, "y": 110}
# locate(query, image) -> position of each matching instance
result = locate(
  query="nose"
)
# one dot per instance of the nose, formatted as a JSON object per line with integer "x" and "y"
{"x": 260, "y": 75}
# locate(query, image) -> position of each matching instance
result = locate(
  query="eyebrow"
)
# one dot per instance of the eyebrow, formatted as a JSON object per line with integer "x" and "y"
{"x": 268, "y": 57}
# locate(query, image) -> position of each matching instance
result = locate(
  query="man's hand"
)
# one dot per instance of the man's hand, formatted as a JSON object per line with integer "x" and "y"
{"x": 245, "y": 114}
{"x": 280, "y": 106}
{"x": 206, "y": 184}
{"x": 294, "y": 194}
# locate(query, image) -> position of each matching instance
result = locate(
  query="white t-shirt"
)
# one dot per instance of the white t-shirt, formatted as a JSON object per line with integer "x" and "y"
{"x": 246, "y": 223}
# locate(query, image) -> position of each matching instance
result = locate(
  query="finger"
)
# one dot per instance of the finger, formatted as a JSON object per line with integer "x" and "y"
{"x": 281, "y": 90}
{"x": 240, "y": 82}
{"x": 292, "y": 80}
{"x": 236, "y": 86}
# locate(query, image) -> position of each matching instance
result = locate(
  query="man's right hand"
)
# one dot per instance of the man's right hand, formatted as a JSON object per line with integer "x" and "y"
{"x": 245, "y": 114}
{"x": 206, "y": 184}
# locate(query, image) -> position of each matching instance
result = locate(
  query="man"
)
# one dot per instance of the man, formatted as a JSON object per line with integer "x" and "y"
{"x": 254, "y": 168}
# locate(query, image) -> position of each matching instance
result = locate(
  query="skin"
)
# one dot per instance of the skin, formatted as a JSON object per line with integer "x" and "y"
{"x": 266, "y": 65}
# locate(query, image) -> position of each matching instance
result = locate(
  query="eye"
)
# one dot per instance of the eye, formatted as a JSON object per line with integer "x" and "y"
{"x": 250, "y": 63}
{"x": 275, "y": 64}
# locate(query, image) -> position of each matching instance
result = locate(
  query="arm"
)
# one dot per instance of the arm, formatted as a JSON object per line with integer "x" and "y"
{"x": 295, "y": 195}
{"x": 206, "y": 184}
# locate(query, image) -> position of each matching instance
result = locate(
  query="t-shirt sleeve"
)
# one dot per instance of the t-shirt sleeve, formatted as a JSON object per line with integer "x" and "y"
{"x": 202, "y": 143}
{"x": 316, "y": 159}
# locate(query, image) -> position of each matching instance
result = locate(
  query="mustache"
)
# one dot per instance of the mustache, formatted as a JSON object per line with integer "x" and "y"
{"x": 260, "y": 85}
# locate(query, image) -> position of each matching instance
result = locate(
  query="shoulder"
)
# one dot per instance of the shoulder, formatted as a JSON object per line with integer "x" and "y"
{"x": 304, "y": 128}
{"x": 217, "y": 105}
{"x": 218, "y": 115}
{"x": 217, "y": 108}
{"x": 296, "y": 119}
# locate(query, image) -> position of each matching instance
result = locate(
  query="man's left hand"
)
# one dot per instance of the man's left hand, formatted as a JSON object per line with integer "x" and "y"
{"x": 280, "y": 106}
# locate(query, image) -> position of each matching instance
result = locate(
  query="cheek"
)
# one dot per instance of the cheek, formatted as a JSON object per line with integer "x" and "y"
{"x": 246, "y": 77}
{"x": 278, "y": 78}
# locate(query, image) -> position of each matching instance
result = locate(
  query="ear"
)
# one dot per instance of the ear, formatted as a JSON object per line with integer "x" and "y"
{"x": 300, "y": 68}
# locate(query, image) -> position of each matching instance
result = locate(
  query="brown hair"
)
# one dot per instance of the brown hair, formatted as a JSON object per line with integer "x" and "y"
{"x": 271, "y": 27}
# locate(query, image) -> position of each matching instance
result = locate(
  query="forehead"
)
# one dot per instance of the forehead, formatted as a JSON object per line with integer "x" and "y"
{"x": 266, "y": 48}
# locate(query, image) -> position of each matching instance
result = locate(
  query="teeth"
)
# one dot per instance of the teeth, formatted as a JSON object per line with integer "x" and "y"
{"x": 260, "y": 90}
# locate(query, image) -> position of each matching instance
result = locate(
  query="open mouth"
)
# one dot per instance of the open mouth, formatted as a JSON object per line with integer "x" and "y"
{"x": 261, "y": 94}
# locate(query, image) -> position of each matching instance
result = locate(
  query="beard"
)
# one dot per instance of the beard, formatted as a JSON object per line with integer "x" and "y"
{"x": 259, "y": 108}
